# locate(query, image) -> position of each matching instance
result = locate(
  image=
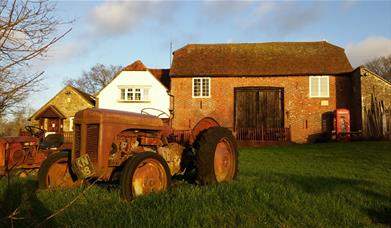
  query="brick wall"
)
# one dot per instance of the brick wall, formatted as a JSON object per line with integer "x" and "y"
{"x": 301, "y": 113}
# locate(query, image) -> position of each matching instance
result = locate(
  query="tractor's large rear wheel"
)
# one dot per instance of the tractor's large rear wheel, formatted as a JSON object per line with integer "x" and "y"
{"x": 216, "y": 156}
{"x": 144, "y": 173}
{"x": 55, "y": 172}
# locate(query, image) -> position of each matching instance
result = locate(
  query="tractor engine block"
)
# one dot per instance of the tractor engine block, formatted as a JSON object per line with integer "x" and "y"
{"x": 129, "y": 142}
{"x": 172, "y": 153}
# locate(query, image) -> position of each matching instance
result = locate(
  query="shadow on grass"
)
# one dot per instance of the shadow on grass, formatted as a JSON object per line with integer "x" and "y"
{"x": 320, "y": 184}
{"x": 382, "y": 216}
{"x": 21, "y": 199}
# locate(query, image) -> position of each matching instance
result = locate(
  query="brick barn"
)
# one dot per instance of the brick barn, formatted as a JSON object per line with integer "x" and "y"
{"x": 266, "y": 89}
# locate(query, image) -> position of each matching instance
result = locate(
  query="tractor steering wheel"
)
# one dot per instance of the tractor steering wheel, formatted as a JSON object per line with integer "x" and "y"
{"x": 35, "y": 131}
{"x": 147, "y": 111}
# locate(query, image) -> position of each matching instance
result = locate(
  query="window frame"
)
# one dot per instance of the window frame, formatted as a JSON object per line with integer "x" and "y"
{"x": 319, "y": 95}
{"x": 201, "y": 87}
{"x": 132, "y": 90}
{"x": 71, "y": 119}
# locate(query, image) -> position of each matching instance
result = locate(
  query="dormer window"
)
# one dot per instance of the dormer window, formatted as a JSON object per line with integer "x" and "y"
{"x": 134, "y": 94}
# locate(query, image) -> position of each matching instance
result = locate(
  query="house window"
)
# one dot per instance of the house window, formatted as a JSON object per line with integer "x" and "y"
{"x": 71, "y": 123}
{"x": 134, "y": 94}
{"x": 319, "y": 86}
{"x": 201, "y": 87}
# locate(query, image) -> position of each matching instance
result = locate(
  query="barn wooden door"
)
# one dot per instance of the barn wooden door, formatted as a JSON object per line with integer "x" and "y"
{"x": 257, "y": 107}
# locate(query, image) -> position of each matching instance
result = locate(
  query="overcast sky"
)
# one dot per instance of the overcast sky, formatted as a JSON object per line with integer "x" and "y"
{"x": 118, "y": 33}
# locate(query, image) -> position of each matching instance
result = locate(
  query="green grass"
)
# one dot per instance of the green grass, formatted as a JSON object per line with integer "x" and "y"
{"x": 318, "y": 185}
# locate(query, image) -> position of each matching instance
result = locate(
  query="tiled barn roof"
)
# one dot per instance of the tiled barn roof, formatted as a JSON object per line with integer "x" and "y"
{"x": 260, "y": 59}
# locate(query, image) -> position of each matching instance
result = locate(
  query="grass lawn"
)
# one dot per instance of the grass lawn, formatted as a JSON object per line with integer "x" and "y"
{"x": 318, "y": 185}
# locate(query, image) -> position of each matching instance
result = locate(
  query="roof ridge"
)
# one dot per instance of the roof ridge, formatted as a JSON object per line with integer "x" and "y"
{"x": 249, "y": 43}
{"x": 137, "y": 65}
{"x": 83, "y": 94}
{"x": 80, "y": 91}
{"x": 372, "y": 72}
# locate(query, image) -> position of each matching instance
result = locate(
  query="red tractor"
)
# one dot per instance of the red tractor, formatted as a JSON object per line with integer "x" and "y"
{"x": 142, "y": 151}
{"x": 22, "y": 155}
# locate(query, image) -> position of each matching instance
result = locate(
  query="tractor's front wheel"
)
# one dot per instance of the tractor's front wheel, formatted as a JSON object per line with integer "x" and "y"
{"x": 144, "y": 173}
{"x": 55, "y": 172}
{"x": 216, "y": 156}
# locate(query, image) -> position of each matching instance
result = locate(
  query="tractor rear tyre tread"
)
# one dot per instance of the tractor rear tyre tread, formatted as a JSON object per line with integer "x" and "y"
{"x": 205, "y": 154}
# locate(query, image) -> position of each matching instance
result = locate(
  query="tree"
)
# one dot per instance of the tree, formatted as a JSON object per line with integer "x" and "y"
{"x": 94, "y": 79}
{"x": 12, "y": 126}
{"x": 381, "y": 66}
{"x": 27, "y": 30}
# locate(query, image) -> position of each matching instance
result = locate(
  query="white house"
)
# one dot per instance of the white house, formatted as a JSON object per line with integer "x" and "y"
{"x": 136, "y": 88}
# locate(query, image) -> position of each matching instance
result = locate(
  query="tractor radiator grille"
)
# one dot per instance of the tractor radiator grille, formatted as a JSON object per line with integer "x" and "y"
{"x": 76, "y": 141}
{"x": 92, "y": 141}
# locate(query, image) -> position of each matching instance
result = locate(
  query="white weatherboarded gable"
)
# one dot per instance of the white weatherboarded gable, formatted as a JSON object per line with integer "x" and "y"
{"x": 133, "y": 91}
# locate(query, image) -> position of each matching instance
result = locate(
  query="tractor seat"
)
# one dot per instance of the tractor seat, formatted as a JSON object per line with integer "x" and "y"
{"x": 52, "y": 141}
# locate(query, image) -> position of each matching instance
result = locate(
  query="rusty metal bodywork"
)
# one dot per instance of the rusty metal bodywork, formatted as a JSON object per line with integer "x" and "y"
{"x": 202, "y": 125}
{"x": 19, "y": 152}
{"x": 24, "y": 152}
{"x": 110, "y": 137}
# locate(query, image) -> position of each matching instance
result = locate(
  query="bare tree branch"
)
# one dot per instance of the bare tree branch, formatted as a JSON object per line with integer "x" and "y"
{"x": 27, "y": 30}
{"x": 94, "y": 79}
{"x": 381, "y": 66}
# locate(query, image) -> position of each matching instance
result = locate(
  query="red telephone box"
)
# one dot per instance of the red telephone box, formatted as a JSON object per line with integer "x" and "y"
{"x": 342, "y": 124}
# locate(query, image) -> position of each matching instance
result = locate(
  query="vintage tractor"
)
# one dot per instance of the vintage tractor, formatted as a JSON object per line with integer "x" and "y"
{"x": 142, "y": 151}
{"x": 22, "y": 155}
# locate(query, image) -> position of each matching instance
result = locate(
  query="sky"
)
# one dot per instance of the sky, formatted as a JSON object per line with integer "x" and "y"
{"x": 120, "y": 32}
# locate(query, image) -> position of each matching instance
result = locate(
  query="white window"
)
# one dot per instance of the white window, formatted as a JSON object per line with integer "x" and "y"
{"x": 134, "y": 94}
{"x": 319, "y": 86}
{"x": 201, "y": 87}
{"x": 71, "y": 123}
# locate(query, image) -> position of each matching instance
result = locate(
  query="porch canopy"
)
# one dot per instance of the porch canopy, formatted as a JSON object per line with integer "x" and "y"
{"x": 50, "y": 112}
